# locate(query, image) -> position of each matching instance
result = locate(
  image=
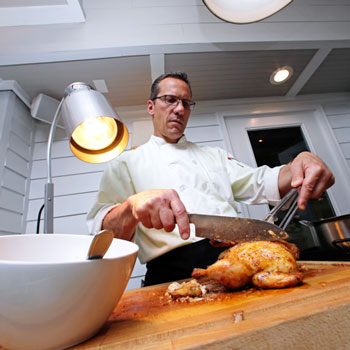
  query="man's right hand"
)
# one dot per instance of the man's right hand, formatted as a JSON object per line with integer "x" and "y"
{"x": 159, "y": 209}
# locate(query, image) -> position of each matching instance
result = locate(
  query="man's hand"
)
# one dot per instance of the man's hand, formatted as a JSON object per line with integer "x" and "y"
{"x": 160, "y": 209}
{"x": 308, "y": 171}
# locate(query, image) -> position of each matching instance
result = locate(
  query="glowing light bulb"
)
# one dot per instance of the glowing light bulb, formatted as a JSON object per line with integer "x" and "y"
{"x": 96, "y": 133}
{"x": 281, "y": 75}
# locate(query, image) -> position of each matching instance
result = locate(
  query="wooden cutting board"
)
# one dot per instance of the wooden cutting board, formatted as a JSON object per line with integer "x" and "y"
{"x": 314, "y": 315}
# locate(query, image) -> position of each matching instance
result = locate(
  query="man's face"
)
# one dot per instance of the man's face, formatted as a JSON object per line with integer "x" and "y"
{"x": 170, "y": 121}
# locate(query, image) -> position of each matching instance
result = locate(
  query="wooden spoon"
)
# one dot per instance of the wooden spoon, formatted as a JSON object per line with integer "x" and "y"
{"x": 100, "y": 244}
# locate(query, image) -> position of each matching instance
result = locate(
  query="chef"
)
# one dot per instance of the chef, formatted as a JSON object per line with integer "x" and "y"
{"x": 146, "y": 193}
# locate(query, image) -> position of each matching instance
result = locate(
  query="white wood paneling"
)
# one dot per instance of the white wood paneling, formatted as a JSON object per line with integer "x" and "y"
{"x": 338, "y": 115}
{"x": 15, "y": 156}
{"x": 204, "y": 133}
{"x": 65, "y": 185}
{"x": 342, "y": 135}
{"x": 345, "y": 147}
{"x": 14, "y": 181}
{"x": 74, "y": 224}
{"x": 10, "y": 222}
{"x": 16, "y": 162}
{"x": 64, "y": 166}
{"x": 12, "y": 201}
{"x": 72, "y": 204}
{"x": 20, "y": 147}
{"x": 59, "y": 149}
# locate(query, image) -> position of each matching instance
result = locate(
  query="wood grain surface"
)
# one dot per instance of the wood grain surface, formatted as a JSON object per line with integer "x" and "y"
{"x": 313, "y": 315}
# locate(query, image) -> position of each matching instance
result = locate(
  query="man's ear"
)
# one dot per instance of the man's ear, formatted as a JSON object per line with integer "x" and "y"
{"x": 150, "y": 107}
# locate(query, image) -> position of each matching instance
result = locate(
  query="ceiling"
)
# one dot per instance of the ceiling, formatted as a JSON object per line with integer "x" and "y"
{"x": 226, "y": 73}
{"x": 213, "y": 75}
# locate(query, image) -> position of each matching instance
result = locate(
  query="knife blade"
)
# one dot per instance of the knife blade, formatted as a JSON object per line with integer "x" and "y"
{"x": 223, "y": 228}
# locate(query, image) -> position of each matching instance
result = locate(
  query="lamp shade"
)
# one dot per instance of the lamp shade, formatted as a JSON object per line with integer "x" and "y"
{"x": 245, "y": 11}
{"x": 95, "y": 131}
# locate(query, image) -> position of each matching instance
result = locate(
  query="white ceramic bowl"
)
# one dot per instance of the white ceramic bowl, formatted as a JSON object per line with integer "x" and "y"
{"x": 51, "y": 297}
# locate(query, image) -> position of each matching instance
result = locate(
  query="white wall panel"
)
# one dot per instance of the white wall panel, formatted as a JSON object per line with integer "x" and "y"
{"x": 66, "y": 185}
{"x": 342, "y": 135}
{"x": 10, "y": 222}
{"x": 339, "y": 121}
{"x": 11, "y": 200}
{"x": 345, "y": 147}
{"x": 14, "y": 181}
{"x": 42, "y": 133}
{"x": 74, "y": 224}
{"x": 204, "y": 133}
{"x": 16, "y": 163}
{"x": 15, "y": 155}
{"x": 64, "y": 166}
{"x": 20, "y": 147}
{"x": 73, "y": 204}
{"x": 59, "y": 149}
{"x": 338, "y": 115}
{"x": 197, "y": 120}
{"x": 333, "y": 109}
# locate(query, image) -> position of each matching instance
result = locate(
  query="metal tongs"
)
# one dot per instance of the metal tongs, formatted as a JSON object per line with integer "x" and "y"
{"x": 290, "y": 201}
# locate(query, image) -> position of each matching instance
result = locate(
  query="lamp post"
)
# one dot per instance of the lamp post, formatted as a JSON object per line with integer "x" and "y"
{"x": 95, "y": 134}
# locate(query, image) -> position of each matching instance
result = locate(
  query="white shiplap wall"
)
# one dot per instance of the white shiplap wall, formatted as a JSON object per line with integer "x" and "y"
{"x": 338, "y": 115}
{"x": 16, "y": 132}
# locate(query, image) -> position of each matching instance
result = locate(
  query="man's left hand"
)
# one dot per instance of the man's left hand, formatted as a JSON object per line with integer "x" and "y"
{"x": 308, "y": 171}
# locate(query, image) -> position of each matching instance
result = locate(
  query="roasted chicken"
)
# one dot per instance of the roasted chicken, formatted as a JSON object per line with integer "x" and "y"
{"x": 264, "y": 263}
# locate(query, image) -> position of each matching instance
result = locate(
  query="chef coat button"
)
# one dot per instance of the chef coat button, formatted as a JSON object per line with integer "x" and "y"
{"x": 194, "y": 161}
{"x": 204, "y": 186}
{"x": 182, "y": 188}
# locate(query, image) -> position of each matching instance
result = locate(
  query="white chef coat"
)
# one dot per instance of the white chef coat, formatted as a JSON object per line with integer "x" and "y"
{"x": 207, "y": 179}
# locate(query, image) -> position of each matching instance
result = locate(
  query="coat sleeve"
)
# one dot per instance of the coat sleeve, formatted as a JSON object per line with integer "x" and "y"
{"x": 115, "y": 187}
{"x": 252, "y": 185}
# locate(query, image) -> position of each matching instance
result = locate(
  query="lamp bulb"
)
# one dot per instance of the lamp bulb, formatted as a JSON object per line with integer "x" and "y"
{"x": 96, "y": 133}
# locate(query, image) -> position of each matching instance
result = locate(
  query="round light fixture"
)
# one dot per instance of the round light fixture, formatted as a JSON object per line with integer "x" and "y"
{"x": 245, "y": 11}
{"x": 281, "y": 75}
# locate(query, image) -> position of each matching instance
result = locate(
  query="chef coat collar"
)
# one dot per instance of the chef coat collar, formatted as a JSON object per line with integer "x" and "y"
{"x": 160, "y": 141}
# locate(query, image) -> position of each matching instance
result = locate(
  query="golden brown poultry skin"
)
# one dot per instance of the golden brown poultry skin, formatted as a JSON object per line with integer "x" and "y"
{"x": 266, "y": 264}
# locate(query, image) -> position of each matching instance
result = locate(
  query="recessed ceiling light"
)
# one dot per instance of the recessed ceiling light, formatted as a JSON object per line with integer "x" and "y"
{"x": 281, "y": 75}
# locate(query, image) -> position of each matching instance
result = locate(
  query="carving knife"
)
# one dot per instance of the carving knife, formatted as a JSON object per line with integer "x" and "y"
{"x": 223, "y": 228}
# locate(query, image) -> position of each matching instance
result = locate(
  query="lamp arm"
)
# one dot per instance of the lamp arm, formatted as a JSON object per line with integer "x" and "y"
{"x": 49, "y": 188}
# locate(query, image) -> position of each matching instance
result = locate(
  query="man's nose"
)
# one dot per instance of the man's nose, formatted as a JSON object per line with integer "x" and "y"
{"x": 179, "y": 106}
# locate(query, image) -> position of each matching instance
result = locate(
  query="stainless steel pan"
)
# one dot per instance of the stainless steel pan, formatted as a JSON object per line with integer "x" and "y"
{"x": 332, "y": 233}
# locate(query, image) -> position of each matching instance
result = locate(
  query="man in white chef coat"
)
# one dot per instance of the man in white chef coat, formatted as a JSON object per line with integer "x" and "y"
{"x": 145, "y": 194}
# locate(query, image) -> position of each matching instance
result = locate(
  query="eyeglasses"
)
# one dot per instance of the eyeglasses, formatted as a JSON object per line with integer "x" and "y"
{"x": 174, "y": 100}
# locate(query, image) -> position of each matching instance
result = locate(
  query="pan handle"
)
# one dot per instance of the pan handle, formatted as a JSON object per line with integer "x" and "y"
{"x": 337, "y": 243}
